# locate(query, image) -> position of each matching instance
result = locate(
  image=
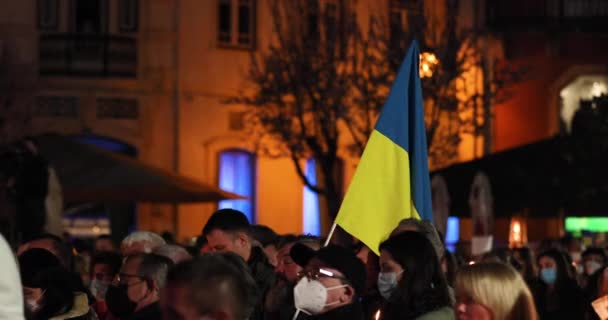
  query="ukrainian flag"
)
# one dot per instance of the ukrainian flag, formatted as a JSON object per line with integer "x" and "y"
{"x": 392, "y": 179}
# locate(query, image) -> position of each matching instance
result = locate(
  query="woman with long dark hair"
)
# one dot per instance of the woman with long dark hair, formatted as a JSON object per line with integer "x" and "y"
{"x": 525, "y": 264}
{"x": 50, "y": 290}
{"x": 411, "y": 279}
{"x": 557, "y": 295}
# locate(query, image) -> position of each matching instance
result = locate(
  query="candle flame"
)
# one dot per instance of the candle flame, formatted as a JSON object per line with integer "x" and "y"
{"x": 377, "y": 316}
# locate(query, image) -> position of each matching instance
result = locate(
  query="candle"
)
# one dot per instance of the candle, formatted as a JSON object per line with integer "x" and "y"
{"x": 377, "y": 315}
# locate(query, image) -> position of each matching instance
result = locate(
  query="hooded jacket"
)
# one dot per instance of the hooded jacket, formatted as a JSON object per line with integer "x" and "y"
{"x": 11, "y": 294}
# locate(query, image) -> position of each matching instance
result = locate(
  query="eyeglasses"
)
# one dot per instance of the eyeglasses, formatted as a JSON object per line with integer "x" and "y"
{"x": 123, "y": 278}
{"x": 315, "y": 274}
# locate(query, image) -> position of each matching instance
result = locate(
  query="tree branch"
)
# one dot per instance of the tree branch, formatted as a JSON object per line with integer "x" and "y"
{"x": 304, "y": 178}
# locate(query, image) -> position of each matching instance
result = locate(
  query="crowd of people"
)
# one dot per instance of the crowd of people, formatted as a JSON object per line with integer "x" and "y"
{"x": 241, "y": 271}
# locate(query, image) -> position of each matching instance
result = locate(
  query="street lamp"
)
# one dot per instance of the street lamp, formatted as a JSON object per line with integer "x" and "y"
{"x": 428, "y": 63}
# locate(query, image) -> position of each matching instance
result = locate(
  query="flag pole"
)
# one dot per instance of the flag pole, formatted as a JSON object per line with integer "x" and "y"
{"x": 331, "y": 233}
{"x": 295, "y": 316}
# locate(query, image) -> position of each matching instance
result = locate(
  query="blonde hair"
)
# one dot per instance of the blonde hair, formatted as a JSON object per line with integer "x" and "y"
{"x": 498, "y": 287}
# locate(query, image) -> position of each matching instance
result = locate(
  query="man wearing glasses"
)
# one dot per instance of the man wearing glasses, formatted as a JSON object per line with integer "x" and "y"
{"x": 135, "y": 292}
{"x": 331, "y": 282}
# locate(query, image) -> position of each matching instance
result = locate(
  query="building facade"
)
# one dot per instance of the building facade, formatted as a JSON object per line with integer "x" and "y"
{"x": 155, "y": 75}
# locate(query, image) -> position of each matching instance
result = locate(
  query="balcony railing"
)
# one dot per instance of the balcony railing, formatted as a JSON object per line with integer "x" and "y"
{"x": 548, "y": 15}
{"x": 88, "y": 55}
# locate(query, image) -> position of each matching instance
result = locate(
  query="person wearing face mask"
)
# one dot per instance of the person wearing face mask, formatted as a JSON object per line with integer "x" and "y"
{"x": 557, "y": 295}
{"x": 411, "y": 280}
{"x": 135, "y": 293}
{"x": 331, "y": 282}
{"x": 592, "y": 260}
{"x": 104, "y": 268}
{"x": 50, "y": 290}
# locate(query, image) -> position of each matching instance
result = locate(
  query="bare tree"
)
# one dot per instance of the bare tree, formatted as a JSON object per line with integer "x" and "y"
{"x": 324, "y": 79}
{"x": 317, "y": 90}
{"x": 463, "y": 81}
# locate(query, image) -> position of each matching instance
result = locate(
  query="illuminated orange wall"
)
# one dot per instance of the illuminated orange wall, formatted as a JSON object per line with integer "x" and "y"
{"x": 209, "y": 74}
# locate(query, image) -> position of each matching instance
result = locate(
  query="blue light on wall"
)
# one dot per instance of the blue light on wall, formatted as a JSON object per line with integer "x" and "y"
{"x": 107, "y": 144}
{"x": 452, "y": 233}
{"x": 236, "y": 174}
{"x": 311, "y": 217}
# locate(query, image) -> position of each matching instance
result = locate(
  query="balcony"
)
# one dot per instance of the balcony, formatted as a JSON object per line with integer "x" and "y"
{"x": 88, "y": 55}
{"x": 548, "y": 15}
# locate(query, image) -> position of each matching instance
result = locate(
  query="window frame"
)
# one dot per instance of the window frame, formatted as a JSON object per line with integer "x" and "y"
{"x": 53, "y": 25}
{"x": 104, "y": 16}
{"x": 235, "y": 36}
{"x": 122, "y": 11}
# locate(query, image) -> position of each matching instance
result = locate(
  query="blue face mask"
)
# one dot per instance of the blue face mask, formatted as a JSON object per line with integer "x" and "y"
{"x": 548, "y": 275}
{"x": 387, "y": 283}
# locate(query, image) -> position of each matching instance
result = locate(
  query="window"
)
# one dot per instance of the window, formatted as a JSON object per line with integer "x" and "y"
{"x": 237, "y": 175}
{"x": 452, "y": 234}
{"x": 128, "y": 13}
{"x": 56, "y": 107}
{"x": 89, "y": 16}
{"x": 48, "y": 14}
{"x": 311, "y": 223}
{"x": 117, "y": 108}
{"x": 236, "y": 23}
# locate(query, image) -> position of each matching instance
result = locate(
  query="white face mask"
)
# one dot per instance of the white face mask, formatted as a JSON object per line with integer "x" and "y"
{"x": 310, "y": 296}
{"x": 591, "y": 267}
{"x": 32, "y": 305}
{"x": 99, "y": 288}
{"x": 387, "y": 283}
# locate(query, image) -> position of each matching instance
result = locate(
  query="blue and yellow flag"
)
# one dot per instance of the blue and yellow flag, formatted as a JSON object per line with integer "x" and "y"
{"x": 392, "y": 179}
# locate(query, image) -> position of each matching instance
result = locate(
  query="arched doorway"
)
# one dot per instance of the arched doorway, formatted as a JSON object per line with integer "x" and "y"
{"x": 584, "y": 87}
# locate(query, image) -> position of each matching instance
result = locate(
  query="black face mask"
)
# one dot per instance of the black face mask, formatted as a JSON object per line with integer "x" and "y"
{"x": 118, "y": 301}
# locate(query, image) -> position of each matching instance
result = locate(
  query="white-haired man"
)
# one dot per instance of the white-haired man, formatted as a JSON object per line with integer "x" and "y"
{"x": 140, "y": 242}
{"x": 174, "y": 252}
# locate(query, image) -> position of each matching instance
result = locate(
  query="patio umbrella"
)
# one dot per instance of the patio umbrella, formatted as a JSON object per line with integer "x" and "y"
{"x": 90, "y": 174}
